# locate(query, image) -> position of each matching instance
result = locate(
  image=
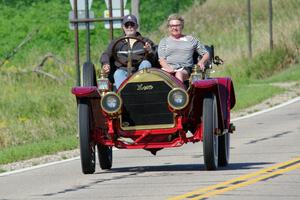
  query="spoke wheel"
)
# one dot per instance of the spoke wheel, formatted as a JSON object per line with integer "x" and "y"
{"x": 224, "y": 149}
{"x": 87, "y": 146}
{"x": 210, "y": 139}
{"x": 105, "y": 156}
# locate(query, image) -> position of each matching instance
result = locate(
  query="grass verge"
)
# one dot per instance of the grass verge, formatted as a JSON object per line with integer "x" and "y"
{"x": 251, "y": 94}
{"x": 36, "y": 149}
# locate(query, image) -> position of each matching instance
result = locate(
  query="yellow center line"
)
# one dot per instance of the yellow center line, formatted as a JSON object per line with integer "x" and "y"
{"x": 241, "y": 181}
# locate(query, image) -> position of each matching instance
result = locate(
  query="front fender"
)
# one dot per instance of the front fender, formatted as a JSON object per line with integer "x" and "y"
{"x": 222, "y": 88}
{"x": 86, "y": 92}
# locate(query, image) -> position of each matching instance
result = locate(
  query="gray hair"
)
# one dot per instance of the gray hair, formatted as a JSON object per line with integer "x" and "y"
{"x": 176, "y": 17}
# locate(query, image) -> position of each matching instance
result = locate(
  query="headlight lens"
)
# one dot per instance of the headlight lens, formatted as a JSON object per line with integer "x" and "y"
{"x": 178, "y": 98}
{"x": 195, "y": 77}
{"x": 111, "y": 103}
{"x": 103, "y": 84}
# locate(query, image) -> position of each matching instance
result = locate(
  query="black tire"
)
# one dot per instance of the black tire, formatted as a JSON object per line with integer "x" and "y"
{"x": 224, "y": 149}
{"x": 88, "y": 74}
{"x": 87, "y": 146}
{"x": 105, "y": 156}
{"x": 210, "y": 139}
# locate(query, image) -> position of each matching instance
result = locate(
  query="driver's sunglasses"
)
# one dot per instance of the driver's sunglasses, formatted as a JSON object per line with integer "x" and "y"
{"x": 129, "y": 24}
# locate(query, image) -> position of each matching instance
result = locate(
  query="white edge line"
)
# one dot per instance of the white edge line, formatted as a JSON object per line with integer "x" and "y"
{"x": 268, "y": 109}
{"x": 38, "y": 166}
{"x": 76, "y": 158}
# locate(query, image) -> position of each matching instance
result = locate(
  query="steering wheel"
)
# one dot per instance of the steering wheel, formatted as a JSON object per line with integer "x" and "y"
{"x": 127, "y": 54}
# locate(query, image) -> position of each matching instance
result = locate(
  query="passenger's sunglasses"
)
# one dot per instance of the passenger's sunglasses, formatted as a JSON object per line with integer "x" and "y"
{"x": 129, "y": 24}
{"x": 174, "y": 25}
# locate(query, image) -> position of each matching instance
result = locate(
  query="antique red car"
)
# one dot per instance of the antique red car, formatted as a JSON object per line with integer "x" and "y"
{"x": 153, "y": 110}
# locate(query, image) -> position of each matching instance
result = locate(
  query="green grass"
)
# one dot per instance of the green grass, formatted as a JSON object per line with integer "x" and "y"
{"x": 34, "y": 108}
{"x": 38, "y": 148}
{"x": 291, "y": 74}
{"x": 249, "y": 95}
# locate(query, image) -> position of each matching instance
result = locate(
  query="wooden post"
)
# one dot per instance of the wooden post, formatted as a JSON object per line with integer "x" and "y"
{"x": 135, "y": 6}
{"x": 249, "y": 29}
{"x": 271, "y": 23}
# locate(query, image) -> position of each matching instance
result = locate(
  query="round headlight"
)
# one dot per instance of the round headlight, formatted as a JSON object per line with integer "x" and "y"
{"x": 111, "y": 103}
{"x": 178, "y": 98}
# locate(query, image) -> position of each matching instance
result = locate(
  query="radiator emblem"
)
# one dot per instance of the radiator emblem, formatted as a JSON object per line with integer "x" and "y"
{"x": 142, "y": 87}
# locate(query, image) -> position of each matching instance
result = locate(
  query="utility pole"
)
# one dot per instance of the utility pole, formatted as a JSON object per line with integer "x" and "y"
{"x": 249, "y": 29}
{"x": 135, "y": 6}
{"x": 271, "y": 23}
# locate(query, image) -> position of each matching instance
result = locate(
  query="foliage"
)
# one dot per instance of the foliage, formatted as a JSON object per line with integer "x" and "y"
{"x": 51, "y": 19}
{"x": 262, "y": 65}
{"x": 150, "y": 22}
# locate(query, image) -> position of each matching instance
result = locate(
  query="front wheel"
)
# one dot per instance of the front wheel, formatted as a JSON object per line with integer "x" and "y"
{"x": 224, "y": 149}
{"x": 104, "y": 156}
{"x": 87, "y": 146}
{"x": 210, "y": 139}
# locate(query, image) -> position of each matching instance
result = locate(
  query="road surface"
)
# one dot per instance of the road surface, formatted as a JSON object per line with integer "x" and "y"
{"x": 264, "y": 164}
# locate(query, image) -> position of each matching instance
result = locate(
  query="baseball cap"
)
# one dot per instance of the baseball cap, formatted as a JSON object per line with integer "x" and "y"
{"x": 129, "y": 18}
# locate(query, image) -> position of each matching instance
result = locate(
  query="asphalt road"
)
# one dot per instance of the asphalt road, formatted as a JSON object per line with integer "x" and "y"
{"x": 265, "y": 164}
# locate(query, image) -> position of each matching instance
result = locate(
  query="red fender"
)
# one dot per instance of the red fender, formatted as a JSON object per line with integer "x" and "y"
{"x": 224, "y": 92}
{"x": 89, "y": 91}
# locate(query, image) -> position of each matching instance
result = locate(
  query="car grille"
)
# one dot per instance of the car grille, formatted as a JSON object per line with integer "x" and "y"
{"x": 145, "y": 103}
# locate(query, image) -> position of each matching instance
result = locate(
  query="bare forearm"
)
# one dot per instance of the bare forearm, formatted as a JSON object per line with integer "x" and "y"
{"x": 164, "y": 64}
{"x": 204, "y": 58}
{"x": 201, "y": 63}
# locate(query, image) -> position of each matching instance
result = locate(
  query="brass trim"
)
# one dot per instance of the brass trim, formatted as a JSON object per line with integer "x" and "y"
{"x": 187, "y": 99}
{"x": 119, "y": 107}
{"x": 149, "y": 75}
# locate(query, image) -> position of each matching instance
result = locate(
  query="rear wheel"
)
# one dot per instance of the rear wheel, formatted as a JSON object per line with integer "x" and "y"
{"x": 87, "y": 146}
{"x": 104, "y": 156}
{"x": 88, "y": 74}
{"x": 224, "y": 149}
{"x": 210, "y": 139}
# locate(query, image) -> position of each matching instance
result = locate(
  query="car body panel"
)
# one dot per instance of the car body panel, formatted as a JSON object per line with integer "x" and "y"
{"x": 109, "y": 131}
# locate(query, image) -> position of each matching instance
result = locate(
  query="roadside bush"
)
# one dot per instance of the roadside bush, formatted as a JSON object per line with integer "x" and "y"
{"x": 262, "y": 65}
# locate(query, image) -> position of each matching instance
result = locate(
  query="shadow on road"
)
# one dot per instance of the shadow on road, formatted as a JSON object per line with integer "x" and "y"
{"x": 185, "y": 167}
{"x": 130, "y": 172}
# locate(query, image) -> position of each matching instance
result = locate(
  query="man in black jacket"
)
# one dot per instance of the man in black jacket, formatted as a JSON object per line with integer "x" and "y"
{"x": 110, "y": 65}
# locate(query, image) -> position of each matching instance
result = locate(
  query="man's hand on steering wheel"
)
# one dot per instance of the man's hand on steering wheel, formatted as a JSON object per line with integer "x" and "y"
{"x": 106, "y": 68}
{"x": 148, "y": 47}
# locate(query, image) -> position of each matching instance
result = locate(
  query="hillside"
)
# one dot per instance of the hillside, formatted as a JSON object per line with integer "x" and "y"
{"x": 38, "y": 113}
